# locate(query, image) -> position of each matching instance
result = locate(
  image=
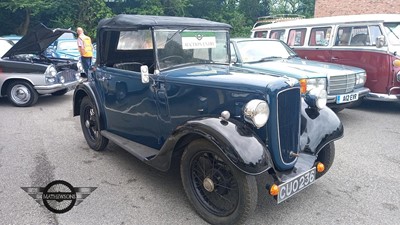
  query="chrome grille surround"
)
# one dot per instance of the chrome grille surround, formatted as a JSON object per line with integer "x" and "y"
{"x": 288, "y": 121}
{"x": 341, "y": 84}
{"x": 68, "y": 74}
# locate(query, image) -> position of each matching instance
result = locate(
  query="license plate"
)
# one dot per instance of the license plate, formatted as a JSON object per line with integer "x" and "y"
{"x": 346, "y": 98}
{"x": 292, "y": 187}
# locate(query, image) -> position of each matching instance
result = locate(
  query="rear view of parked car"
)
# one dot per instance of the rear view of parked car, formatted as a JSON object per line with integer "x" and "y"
{"x": 343, "y": 84}
{"x": 26, "y": 73}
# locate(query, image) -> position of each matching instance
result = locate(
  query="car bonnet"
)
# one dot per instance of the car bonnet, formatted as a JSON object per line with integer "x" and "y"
{"x": 36, "y": 40}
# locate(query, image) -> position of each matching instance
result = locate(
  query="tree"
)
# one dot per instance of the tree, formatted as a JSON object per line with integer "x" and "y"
{"x": 74, "y": 13}
{"x": 301, "y": 7}
{"x": 29, "y": 7}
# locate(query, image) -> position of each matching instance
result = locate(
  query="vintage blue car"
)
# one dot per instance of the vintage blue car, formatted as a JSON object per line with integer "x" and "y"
{"x": 64, "y": 49}
{"x": 162, "y": 89}
{"x": 344, "y": 84}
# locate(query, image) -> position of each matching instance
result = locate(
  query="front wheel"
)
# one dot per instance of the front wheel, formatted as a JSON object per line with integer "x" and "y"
{"x": 326, "y": 156}
{"x": 22, "y": 94}
{"x": 220, "y": 193}
{"x": 90, "y": 124}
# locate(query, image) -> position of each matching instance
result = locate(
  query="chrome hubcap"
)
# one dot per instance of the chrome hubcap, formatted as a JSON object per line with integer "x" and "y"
{"x": 20, "y": 94}
{"x": 208, "y": 184}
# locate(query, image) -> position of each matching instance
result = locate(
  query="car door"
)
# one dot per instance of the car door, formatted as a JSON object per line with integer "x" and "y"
{"x": 130, "y": 105}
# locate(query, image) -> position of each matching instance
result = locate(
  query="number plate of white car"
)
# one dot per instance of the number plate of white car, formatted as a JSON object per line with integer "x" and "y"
{"x": 293, "y": 186}
{"x": 346, "y": 98}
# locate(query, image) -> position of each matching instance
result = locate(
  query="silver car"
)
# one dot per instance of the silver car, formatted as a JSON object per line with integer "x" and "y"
{"x": 26, "y": 73}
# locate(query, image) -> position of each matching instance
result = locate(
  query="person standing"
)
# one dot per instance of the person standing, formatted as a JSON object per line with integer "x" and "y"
{"x": 85, "y": 49}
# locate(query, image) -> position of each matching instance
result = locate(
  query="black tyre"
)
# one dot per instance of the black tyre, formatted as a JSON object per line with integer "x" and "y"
{"x": 60, "y": 92}
{"x": 91, "y": 125}
{"x": 338, "y": 109}
{"x": 220, "y": 193}
{"x": 356, "y": 104}
{"x": 326, "y": 156}
{"x": 22, "y": 94}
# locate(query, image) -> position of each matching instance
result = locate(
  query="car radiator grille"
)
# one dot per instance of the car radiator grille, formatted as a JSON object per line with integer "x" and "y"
{"x": 341, "y": 84}
{"x": 69, "y": 75}
{"x": 288, "y": 116}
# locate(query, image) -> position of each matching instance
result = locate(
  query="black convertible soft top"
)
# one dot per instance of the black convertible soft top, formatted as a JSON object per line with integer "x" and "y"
{"x": 125, "y": 21}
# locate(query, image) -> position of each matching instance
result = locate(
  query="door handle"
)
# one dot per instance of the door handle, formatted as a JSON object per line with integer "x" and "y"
{"x": 334, "y": 58}
{"x": 106, "y": 77}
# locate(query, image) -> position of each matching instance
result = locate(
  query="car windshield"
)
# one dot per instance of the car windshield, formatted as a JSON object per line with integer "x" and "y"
{"x": 392, "y": 31}
{"x": 259, "y": 51}
{"x": 4, "y": 47}
{"x": 183, "y": 47}
{"x": 67, "y": 45}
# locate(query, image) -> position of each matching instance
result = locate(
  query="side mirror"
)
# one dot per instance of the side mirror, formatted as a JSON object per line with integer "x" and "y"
{"x": 144, "y": 70}
{"x": 380, "y": 41}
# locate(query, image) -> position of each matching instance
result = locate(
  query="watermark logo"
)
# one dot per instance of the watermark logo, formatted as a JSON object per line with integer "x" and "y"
{"x": 59, "y": 196}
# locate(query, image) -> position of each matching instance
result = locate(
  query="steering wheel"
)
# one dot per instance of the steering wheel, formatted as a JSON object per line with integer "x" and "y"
{"x": 172, "y": 58}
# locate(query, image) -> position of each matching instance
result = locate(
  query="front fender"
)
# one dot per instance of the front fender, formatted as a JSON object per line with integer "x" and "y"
{"x": 234, "y": 139}
{"x": 318, "y": 128}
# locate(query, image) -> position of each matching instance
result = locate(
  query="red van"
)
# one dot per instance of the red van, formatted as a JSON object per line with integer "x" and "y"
{"x": 370, "y": 41}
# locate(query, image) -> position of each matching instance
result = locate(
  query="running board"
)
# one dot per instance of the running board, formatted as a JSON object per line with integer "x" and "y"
{"x": 140, "y": 151}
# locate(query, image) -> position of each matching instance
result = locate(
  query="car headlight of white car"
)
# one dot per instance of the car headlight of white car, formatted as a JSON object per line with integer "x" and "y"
{"x": 316, "y": 98}
{"x": 80, "y": 67}
{"x": 307, "y": 85}
{"x": 361, "y": 78}
{"x": 256, "y": 112}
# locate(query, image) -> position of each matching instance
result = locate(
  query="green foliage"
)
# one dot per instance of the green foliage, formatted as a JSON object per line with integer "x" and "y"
{"x": 241, "y": 14}
{"x": 300, "y": 7}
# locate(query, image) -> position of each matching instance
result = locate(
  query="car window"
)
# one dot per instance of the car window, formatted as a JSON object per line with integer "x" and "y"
{"x": 4, "y": 47}
{"x": 355, "y": 36}
{"x": 392, "y": 31}
{"x": 135, "y": 40}
{"x": 320, "y": 36}
{"x": 67, "y": 45}
{"x": 177, "y": 47}
{"x": 254, "y": 51}
{"x": 277, "y": 34}
{"x": 261, "y": 34}
{"x": 296, "y": 37}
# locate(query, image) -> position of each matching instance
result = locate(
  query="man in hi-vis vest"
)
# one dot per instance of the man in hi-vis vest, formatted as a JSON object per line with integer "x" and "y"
{"x": 85, "y": 48}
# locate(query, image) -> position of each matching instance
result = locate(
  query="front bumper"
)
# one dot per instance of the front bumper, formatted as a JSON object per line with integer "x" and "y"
{"x": 385, "y": 97}
{"x": 48, "y": 89}
{"x": 362, "y": 92}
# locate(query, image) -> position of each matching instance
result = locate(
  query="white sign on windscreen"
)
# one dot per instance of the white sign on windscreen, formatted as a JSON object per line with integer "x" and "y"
{"x": 198, "y": 40}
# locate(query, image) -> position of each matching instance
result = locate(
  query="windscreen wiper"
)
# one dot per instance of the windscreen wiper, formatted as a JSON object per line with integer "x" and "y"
{"x": 269, "y": 58}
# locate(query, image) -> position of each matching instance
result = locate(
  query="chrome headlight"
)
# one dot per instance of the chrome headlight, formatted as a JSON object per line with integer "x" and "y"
{"x": 398, "y": 76}
{"x": 256, "y": 112}
{"x": 310, "y": 84}
{"x": 50, "y": 74}
{"x": 317, "y": 83}
{"x": 50, "y": 71}
{"x": 316, "y": 98}
{"x": 80, "y": 67}
{"x": 361, "y": 78}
